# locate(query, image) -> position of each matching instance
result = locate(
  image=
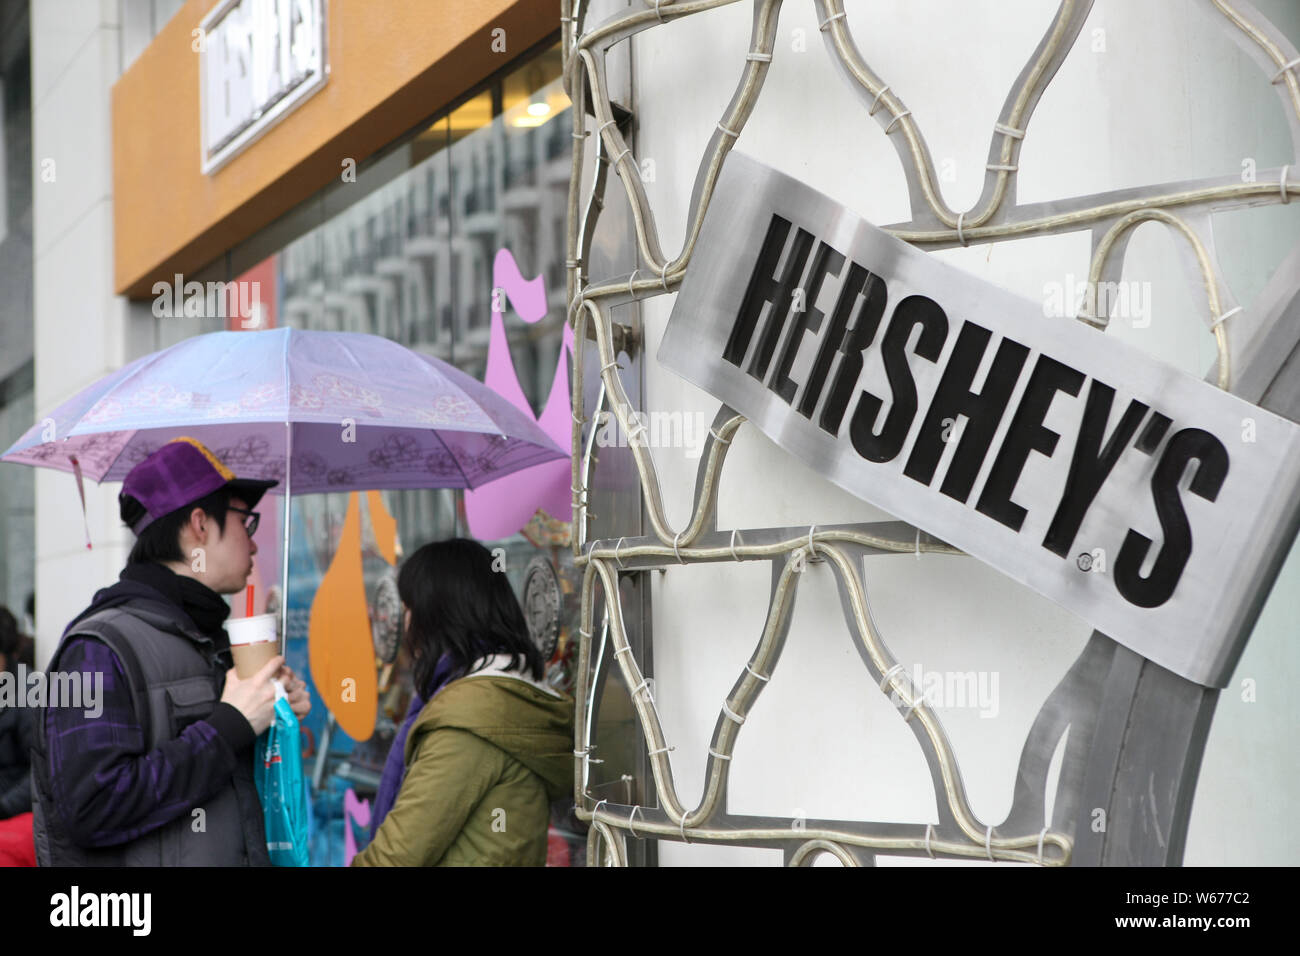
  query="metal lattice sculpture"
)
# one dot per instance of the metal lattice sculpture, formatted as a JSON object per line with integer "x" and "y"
{"x": 1083, "y": 709}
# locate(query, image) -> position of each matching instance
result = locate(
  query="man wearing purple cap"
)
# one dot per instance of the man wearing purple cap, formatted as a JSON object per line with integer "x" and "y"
{"x": 160, "y": 772}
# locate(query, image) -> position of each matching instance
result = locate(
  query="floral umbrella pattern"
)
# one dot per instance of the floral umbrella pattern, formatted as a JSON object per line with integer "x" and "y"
{"x": 365, "y": 412}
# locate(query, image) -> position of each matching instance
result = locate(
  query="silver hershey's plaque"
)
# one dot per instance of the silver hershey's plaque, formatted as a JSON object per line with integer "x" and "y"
{"x": 1148, "y": 502}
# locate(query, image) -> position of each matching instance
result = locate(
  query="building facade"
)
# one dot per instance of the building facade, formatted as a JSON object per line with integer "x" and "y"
{"x": 413, "y": 143}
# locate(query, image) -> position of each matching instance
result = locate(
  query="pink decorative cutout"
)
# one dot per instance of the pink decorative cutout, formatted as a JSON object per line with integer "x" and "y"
{"x": 500, "y": 508}
{"x": 353, "y": 810}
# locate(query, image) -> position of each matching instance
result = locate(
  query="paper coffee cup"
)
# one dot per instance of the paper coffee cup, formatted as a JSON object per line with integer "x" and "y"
{"x": 253, "y": 642}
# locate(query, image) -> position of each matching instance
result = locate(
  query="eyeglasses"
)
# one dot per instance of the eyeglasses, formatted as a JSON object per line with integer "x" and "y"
{"x": 253, "y": 518}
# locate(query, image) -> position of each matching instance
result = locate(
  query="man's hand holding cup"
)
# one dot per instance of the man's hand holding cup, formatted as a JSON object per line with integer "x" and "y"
{"x": 254, "y": 697}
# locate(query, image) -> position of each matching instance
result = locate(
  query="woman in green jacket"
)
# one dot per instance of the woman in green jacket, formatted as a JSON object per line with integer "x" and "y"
{"x": 487, "y": 746}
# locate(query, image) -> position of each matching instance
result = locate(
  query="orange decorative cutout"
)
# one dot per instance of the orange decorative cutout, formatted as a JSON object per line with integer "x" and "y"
{"x": 340, "y": 648}
{"x": 384, "y": 525}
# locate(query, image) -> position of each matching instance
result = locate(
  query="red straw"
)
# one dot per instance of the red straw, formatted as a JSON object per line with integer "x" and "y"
{"x": 248, "y": 604}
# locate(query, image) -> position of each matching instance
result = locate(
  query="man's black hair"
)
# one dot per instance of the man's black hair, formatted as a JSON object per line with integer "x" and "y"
{"x": 161, "y": 541}
{"x": 461, "y": 606}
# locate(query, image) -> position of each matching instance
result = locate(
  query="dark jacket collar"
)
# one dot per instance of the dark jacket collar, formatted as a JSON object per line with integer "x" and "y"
{"x": 169, "y": 601}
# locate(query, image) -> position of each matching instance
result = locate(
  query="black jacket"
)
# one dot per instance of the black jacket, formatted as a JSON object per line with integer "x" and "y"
{"x": 156, "y": 787}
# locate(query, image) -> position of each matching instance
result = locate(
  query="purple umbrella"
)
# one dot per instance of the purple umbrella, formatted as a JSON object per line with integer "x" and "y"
{"x": 318, "y": 411}
{"x": 360, "y": 412}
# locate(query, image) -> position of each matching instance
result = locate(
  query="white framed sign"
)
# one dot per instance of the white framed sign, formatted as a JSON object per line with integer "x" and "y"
{"x": 1148, "y": 502}
{"x": 258, "y": 60}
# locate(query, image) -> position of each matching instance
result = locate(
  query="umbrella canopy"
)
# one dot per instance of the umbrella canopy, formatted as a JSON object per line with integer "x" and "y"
{"x": 317, "y": 412}
{"x": 355, "y": 411}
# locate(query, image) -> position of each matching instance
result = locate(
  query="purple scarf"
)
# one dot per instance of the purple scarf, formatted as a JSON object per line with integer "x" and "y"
{"x": 395, "y": 767}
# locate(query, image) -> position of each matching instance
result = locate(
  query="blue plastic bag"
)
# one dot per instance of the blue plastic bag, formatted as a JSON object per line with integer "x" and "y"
{"x": 277, "y": 771}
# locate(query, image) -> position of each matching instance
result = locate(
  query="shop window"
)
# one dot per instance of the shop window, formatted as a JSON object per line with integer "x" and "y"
{"x": 414, "y": 257}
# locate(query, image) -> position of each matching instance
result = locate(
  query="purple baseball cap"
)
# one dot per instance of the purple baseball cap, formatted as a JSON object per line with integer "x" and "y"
{"x": 177, "y": 474}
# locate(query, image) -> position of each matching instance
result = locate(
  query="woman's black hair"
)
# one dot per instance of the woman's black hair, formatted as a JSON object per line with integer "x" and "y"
{"x": 161, "y": 540}
{"x": 461, "y": 606}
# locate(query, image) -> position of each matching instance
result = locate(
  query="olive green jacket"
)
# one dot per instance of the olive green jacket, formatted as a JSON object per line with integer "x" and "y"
{"x": 484, "y": 759}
